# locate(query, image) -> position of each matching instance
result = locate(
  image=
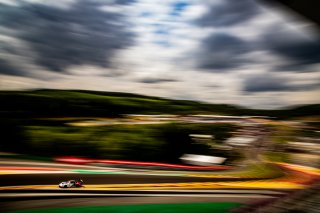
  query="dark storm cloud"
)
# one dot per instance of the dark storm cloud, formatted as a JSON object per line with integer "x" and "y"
{"x": 265, "y": 83}
{"x": 270, "y": 83}
{"x": 228, "y": 12}
{"x": 82, "y": 34}
{"x": 123, "y": 1}
{"x": 8, "y": 69}
{"x": 156, "y": 80}
{"x": 222, "y": 51}
{"x": 298, "y": 52}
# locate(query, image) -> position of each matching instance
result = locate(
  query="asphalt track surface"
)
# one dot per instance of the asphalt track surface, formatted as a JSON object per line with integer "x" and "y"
{"x": 36, "y": 199}
{"x": 112, "y": 200}
{"x": 52, "y": 179}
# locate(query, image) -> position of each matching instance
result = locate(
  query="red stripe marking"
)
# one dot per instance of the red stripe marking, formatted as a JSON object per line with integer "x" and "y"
{"x": 77, "y": 160}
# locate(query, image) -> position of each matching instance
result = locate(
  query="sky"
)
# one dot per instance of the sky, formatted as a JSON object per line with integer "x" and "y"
{"x": 215, "y": 51}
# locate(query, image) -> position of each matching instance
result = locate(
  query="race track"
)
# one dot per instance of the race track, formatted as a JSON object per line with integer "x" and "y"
{"x": 52, "y": 179}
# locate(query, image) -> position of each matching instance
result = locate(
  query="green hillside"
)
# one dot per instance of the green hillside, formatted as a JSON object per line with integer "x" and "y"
{"x": 35, "y": 122}
{"x": 81, "y": 103}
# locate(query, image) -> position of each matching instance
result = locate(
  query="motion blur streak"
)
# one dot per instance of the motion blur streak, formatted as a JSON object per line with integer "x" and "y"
{"x": 188, "y": 105}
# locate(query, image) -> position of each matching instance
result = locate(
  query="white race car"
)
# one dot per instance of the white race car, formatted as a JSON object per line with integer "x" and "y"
{"x": 71, "y": 183}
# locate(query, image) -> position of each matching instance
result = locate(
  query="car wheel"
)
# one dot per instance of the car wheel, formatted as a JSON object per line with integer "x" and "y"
{"x": 65, "y": 186}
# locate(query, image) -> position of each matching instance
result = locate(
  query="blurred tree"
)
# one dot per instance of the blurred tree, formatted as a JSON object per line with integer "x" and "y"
{"x": 12, "y": 136}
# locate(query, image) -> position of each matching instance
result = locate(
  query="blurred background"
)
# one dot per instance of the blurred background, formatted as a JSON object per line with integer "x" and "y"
{"x": 216, "y": 95}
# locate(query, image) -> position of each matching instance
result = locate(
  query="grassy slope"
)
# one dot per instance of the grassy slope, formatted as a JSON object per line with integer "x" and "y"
{"x": 155, "y": 208}
{"x": 57, "y": 103}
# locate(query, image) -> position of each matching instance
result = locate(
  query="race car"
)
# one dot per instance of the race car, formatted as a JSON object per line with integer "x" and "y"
{"x": 71, "y": 183}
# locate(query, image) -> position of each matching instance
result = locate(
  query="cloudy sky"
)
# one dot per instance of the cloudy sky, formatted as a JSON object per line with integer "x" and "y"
{"x": 216, "y": 51}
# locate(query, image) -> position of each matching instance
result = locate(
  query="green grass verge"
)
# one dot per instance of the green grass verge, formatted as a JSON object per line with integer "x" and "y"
{"x": 257, "y": 170}
{"x": 278, "y": 156}
{"x": 154, "y": 208}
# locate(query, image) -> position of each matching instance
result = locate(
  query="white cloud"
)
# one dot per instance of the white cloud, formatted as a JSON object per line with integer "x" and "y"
{"x": 164, "y": 48}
